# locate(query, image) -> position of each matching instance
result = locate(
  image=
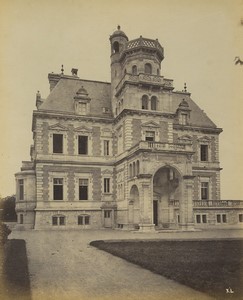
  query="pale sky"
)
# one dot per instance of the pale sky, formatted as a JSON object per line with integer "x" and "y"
{"x": 200, "y": 38}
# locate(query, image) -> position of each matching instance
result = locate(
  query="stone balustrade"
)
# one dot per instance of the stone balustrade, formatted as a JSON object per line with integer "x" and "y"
{"x": 145, "y": 78}
{"x": 218, "y": 203}
{"x": 165, "y": 146}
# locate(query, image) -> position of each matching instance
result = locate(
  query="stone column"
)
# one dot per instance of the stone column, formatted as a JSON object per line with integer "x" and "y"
{"x": 146, "y": 207}
{"x": 186, "y": 204}
{"x": 130, "y": 214}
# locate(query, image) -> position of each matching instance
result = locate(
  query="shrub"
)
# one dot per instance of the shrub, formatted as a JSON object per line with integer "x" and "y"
{"x": 4, "y": 232}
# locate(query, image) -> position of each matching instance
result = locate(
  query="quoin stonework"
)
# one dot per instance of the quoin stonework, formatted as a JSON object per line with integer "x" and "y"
{"x": 131, "y": 154}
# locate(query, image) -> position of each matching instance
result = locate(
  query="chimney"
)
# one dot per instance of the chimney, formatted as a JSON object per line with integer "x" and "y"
{"x": 38, "y": 101}
{"x": 74, "y": 72}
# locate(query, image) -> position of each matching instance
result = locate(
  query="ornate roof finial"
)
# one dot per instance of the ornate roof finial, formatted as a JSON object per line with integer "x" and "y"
{"x": 118, "y": 27}
{"x": 62, "y": 70}
{"x": 185, "y": 88}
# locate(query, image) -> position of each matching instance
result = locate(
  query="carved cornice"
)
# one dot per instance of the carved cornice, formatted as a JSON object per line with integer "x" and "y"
{"x": 197, "y": 129}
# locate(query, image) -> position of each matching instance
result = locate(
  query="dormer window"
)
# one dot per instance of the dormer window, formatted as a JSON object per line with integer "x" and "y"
{"x": 183, "y": 119}
{"x": 82, "y": 102}
{"x": 183, "y": 113}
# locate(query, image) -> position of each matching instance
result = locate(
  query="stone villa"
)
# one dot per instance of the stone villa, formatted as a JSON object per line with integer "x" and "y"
{"x": 131, "y": 154}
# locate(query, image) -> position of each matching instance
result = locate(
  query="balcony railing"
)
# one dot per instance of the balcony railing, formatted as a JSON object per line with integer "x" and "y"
{"x": 212, "y": 203}
{"x": 218, "y": 203}
{"x": 165, "y": 146}
{"x": 145, "y": 78}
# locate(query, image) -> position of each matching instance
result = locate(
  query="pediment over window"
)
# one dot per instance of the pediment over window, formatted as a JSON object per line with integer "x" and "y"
{"x": 151, "y": 124}
{"x": 204, "y": 139}
{"x": 185, "y": 137}
{"x": 107, "y": 172}
{"x": 58, "y": 127}
{"x": 83, "y": 128}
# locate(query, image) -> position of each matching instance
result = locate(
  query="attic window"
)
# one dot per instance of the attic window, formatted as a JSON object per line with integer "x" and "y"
{"x": 81, "y": 108}
{"x": 183, "y": 119}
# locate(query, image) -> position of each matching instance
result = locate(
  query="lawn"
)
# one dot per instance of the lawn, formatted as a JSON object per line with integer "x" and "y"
{"x": 208, "y": 266}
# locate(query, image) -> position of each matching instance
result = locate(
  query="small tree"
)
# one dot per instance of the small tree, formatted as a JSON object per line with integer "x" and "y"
{"x": 8, "y": 213}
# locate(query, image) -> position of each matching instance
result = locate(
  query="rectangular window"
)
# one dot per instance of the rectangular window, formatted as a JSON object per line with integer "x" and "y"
{"x": 61, "y": 220}
{"x": 150, "y": 136}
{"x": 218, "y": 218}
{"x": 21, "y": 189}
{"x": 86, "y": 220}
{"x": 57, "y": 143}
{"x": 57, "y": 188}
{"x": 21, "y": 219}
{"x": 107, "y": 213}
{"x": 83, "y": 189}
{"x": 204, "y": 191}
{"x": 204, "y": 218}
{"x": 221, "y": 218}
{"x": 106, "y": 185}
{"x": 241, "y": 218}
{"x": 83, "y": 220}
{"x": 198, "y": 218}
{"x": 224, "y": 218}
{"x": 183, "y": 119}
{"x": 55, "y": 221}
{"x": 106, "y": 148}
{"x": 204, "y": 152}
{"x": 82, "y": 144}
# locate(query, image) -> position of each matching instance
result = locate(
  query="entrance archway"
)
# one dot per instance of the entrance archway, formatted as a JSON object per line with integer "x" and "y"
{"x": 166, "y": 195}
{"x": 134, "y": 207}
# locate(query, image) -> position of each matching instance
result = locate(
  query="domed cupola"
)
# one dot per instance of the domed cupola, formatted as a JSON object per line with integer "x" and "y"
{"x": 82, "y": 102}
{"x": 119, "y": 32}
{"x": 118, "y": 40}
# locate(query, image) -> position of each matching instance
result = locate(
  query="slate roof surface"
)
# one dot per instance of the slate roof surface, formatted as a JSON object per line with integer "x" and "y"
{"x": 61, "y": 100}
{"x": 197, "y": 116}
{"x": 61, "y": 97}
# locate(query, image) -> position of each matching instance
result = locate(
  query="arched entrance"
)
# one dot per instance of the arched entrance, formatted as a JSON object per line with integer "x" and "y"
{"x": 166, "y": 195}
{"x": 134, "y": 208}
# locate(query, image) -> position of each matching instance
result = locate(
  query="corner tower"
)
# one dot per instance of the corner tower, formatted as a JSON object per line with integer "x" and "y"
{"x": 118, "y": 42}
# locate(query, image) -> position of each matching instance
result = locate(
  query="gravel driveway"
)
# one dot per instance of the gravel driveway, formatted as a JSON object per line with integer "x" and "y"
{"x": 62, "y": 265}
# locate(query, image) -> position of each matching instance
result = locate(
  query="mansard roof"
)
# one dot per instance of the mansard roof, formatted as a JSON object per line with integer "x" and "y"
{"x": 198, "y": 117}
{"x": 61, "y": 98}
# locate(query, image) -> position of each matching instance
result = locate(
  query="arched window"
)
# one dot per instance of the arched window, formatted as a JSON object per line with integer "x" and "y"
{"x": 148, "y": 69}
{"x": 116, "y": 47}
{"x": 134, "y": 169}
{"x": 130, "y": 170}
{"x": 145, "y": 102}
{"x": 134, "y": 70}
{"x": 137, "y": 166}
{"x": 154, "y": 103}
{"x": 119, "y": 107}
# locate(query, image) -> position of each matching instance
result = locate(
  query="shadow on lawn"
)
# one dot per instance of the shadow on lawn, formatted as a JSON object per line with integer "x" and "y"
{"x": 214, "y": 267}
{"x": 16, "y": 283}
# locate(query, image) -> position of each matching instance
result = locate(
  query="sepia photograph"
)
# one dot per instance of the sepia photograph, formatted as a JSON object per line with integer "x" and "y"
{"x": 121, "y": 150}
